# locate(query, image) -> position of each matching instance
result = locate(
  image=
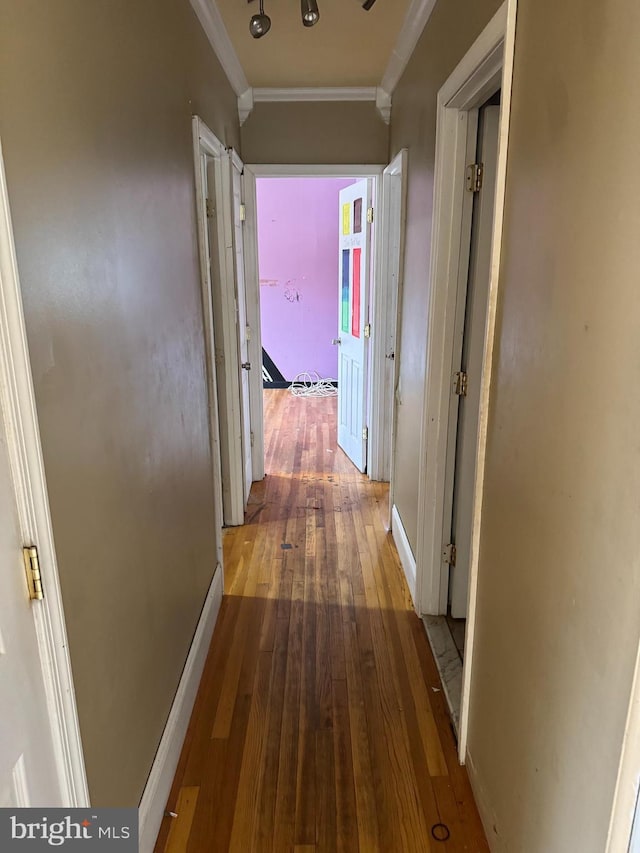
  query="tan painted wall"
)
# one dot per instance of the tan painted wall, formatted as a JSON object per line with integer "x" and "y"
{"x": 559, "y": 581}
{"x": 452, "y": 28}
{"x": 315, "y": 133}
{"x": 95, "y": 117}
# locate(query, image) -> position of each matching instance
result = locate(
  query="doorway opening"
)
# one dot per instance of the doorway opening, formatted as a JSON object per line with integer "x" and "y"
{"x": 312, "y": 293}
{"x": 472, "y": 126}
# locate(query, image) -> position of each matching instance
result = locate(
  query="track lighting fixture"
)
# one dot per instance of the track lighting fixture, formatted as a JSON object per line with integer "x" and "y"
{"x": 260, "y": 24}
{"x": 310, "y": 12}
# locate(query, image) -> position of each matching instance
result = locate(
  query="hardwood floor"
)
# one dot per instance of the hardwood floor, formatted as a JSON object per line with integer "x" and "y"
{"x": 320, "y": 724}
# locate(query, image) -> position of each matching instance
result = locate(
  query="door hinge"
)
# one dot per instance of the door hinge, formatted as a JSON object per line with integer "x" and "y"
{"x": 367, "y": 330}
{"x": 252, "y": 437}
{"x": 449, "y": 555}
{"x": 32, "y": 569}
{"x": 365, "y": 433}
{"x": 475, "y": 171}
{"x": 243, "y": 212}
{"x": 211, "y": 211}
{"x": 460, "y": 383}
{"x": 369, "y": 215}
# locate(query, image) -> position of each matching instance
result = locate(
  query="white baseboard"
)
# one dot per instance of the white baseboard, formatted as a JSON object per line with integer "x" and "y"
{"x": 487, "y": 816}
{"x": 156, "y": 792}
{"x": 404, "y": 551}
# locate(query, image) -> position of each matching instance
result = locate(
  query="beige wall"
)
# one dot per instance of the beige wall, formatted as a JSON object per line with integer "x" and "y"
{"x": 559, "y": 582}
{"x": 95, "y": 117}
{"x": 451, "y": 30}
{"x": 321, "y": 132}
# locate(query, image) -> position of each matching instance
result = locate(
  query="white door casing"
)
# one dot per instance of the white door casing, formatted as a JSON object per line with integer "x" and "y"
{"x": 389, "y": 225}
{"x": 353, "y": 314}
{"x": 41, "y": 759}
{"x": 244, "y": 333}
{"x": 252, "y": 292}
{"x": 472, "y": 305}
{"x": 208, "y": 152}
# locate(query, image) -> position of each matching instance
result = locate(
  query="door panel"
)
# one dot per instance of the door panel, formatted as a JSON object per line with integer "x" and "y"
{"x": 355, "y": 242}
{"x": 472, "y": 356}
{"x": 243, "y": 330}
{"x": 28, "y": 775}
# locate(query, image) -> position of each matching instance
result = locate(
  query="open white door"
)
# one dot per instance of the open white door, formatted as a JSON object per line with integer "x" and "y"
{"x": 353, "y": 312}
{"x": 464, "y": 433}
{"x": 41, "y": 761}
{"x": 244, "y": 333}
{"x": 28, "y": 773}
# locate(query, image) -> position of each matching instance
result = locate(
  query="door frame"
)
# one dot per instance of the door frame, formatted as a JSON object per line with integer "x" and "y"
{"x": 487, "y": 66}
{"x": 25, "y": 457}
{"x": 624, "y": 825}
{"x": 253, "y": 171}
{"x": 207, "y": 146}
{"x": 386, "y": 308}
{"x": 231, "y": 326}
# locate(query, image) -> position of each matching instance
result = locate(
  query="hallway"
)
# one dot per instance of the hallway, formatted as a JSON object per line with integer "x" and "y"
{"x": 319, "y": 724}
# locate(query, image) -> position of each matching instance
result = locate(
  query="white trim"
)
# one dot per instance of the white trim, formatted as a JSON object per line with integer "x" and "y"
{"x": 415, "y": 21}
{"x": 383, "y": 104}
{"x": 277, "y": 170}
{"x": 156, "y": 792}
{"x": 232, "y": 409}
{"x": 245, "y": 105}
{"x": 487, "y": 66}
{"x": 213, "y": 25}
{"x": 251, "y": 96}
{"x": 25, "y": 454}
{"x": 488, "y": 817}
{"x": 252, "y": 291}
{"x": 386, "y": 301}
{"x": 315, "y": 93}
{"x": 625, "y": 799}
{"x": 405, "y": 553}
{"x": 206, "y": 144}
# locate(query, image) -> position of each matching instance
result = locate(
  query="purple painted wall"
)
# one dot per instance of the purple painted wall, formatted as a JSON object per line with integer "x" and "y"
{"x": 298, "y": 264}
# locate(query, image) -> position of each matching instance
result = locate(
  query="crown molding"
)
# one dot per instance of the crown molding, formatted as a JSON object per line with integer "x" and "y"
{"x": 213, "y": 25}
{"x": 415, "y": 21}
{"x": 313, "y": 93}
{"x": 308, "y": 94}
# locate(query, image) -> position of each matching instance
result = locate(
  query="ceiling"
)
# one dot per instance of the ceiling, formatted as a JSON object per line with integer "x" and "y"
{"x": 347, "y": 47}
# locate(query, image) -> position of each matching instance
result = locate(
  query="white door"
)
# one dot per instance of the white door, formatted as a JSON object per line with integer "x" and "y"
{"x": 28, "y": 775}
{"x": 471, "y": 364}
{"x": 353, "y": 312}
{"x": 244, "y": 332}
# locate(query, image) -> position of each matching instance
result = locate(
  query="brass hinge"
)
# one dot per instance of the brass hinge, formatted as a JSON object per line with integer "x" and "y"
{"x": 369, "y": 215}
{"x": 365, "y": 433}
{"x": 449, "y": 554}
{"x": 460, "y": 383}
{"x": 211, "y": 211}
{"x": 367, "y": 330}
{"x": 243, "y": 212}
{"x": 475, "y": 171}
{"x": 32, "y": 569}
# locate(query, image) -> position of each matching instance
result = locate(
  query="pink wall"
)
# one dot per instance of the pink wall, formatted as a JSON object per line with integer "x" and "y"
{"x": 298, "y": 263}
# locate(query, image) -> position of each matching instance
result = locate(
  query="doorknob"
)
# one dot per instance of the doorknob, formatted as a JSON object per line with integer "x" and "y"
{"x": 336, "y": 342}
{"x": 246, "y": 365}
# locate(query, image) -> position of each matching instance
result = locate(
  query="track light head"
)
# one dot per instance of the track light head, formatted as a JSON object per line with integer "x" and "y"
{"x": 260, "y": 24}
{"x": 310, "y": 12}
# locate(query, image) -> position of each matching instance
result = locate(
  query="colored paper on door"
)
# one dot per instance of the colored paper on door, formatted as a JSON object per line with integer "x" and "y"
{"x": 357, "y": 216}
{"x": 344, "y": 302}
{"x": 355, "y": 303}
{"x": 346, "y": 218}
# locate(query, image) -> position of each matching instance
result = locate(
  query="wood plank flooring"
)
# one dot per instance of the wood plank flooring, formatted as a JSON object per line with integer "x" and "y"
{"x": 320, "y": 724}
